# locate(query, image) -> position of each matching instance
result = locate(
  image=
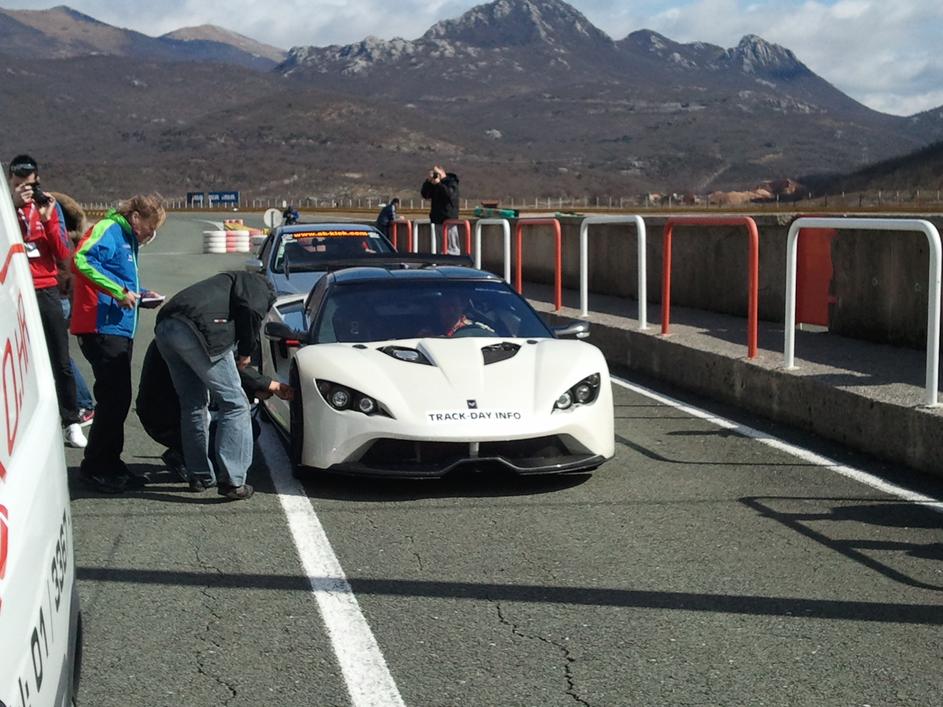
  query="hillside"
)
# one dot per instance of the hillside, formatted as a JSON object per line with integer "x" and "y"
{"x": 921, "y": 170}
{"x": 63, "y": 33}
{"x": 520, "y": 97}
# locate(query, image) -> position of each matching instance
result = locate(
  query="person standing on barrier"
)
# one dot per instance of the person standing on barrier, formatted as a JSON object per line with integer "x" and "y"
{"x": 197, "y": 332}
{"x": 105, "y": 299}
{"x": 47, "y": 245}
{"x": 441, "y": 188}
{"x": 387, "y": 216}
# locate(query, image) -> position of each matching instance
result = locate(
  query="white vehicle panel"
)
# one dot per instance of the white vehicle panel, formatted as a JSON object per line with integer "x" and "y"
{"x": 38, "y": 612}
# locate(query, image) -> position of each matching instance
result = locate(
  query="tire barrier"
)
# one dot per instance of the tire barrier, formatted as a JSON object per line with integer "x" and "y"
{"x": 219, "y": 242}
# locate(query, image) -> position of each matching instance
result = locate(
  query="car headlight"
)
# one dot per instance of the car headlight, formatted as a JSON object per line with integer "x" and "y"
{"x": 583, "y": 393}
{"x": 342, "y": 397}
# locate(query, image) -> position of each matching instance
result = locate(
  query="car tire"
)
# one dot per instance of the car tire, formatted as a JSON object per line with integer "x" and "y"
{"x": 296, "y": 425}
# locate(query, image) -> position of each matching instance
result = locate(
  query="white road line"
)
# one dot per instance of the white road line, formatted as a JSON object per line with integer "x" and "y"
{"x": 365, "y": 671}
{"x": 805, "y": 455}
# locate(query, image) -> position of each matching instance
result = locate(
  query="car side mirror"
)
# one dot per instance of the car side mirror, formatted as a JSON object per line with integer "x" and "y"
{"x": 281, "y": 332}
{"x": 254, "y": 265}
{"x": 576, "y": 330}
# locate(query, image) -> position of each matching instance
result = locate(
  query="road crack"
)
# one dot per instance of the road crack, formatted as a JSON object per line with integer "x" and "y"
{"x": 412, "y": 542}
{"x": 203, "y": 659}
{"x": 569, "y": 660}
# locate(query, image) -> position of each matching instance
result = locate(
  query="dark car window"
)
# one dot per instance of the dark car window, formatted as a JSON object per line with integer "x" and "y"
{"x": 307, "y": 248}
{"x": 429, "y": 308}
{"x": 266, "y": 250}
{"x": 315, "y": 297}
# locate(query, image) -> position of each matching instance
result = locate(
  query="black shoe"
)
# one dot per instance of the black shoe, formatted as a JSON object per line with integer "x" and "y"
{"x": 236, "y": 493}
{"x": 106, "y": 483}
{"x": 199, "y": 485}
{"x": 174, "y": 462}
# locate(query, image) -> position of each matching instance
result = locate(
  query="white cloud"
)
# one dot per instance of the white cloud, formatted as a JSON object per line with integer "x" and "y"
{"x": 883, "y": 54}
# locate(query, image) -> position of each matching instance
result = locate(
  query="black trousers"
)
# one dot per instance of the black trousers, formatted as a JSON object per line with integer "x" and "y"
{"x": 110, "y": 358}
{"x": 56, "y": 332}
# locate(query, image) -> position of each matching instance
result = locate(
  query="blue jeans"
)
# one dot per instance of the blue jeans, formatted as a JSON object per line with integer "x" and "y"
{"x": 195, "y": 376}
{"x": 82, "y": 393}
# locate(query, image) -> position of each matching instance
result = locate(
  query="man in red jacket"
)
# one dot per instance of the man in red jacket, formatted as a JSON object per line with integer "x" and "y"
{"x": 46, "y": 247}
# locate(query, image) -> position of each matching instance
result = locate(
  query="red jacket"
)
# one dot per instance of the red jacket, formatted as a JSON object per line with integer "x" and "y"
{"x": 47, "y": 244}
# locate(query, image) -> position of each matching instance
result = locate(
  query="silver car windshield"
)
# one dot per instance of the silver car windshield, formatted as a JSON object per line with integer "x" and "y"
{"x": 306, "y": 249}
{"x": 409, "y": 310}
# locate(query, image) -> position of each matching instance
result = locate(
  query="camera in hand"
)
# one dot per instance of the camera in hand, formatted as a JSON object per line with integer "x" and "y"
{"x": 40, "y": 198}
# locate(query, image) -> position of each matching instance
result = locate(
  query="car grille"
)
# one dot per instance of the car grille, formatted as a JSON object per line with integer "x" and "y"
{"x": 404, "y": 454}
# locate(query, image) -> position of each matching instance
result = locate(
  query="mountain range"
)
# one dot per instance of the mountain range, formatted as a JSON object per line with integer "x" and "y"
{"x": 520, "y": 97}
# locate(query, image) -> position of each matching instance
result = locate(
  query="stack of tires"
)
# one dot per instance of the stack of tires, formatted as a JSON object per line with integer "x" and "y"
{"x": 237, "y": 241}
{"x": 237, "y": 236}
{"x": 226, "y": 242}
{"x": 214, "y": 241}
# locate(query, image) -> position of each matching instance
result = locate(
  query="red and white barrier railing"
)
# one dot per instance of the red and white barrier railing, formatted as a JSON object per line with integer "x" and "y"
{"x": 628, "y": 219}
{"x": 876, "y": 224}
{"x": 558, "y": 263}
{"x": 394, "y": 233}
{"x": 753, "y": 268}
{"x": 506, "y": 228}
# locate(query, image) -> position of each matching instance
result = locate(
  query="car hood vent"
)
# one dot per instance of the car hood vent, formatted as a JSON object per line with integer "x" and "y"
{"x": 406, "y": 354}
{"x": 499, "y": 352}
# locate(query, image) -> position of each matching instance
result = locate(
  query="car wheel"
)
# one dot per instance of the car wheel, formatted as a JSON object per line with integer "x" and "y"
{"x": 296, "y": 424}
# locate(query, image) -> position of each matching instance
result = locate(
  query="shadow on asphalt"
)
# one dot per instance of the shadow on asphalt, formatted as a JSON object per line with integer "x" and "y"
{"x": 153, "y": 482}
{"x": 468, "y": 484}
{"x": 748, "y": 605}
{"x": 887, "y": 515}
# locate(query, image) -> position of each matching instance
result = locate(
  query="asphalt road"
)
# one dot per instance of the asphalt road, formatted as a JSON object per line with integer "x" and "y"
{"x": 700, "y": 566}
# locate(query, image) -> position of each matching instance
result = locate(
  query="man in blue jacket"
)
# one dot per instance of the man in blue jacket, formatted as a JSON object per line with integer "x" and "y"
{"x": 105, "y": 298}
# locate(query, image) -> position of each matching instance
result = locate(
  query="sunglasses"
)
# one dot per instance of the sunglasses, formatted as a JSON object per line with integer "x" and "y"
{"x": 22, "y": 170}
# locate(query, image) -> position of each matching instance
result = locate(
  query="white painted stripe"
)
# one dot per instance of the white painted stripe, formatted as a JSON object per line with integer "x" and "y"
{"x": 805, "y": 455}
{"x": 365, "y": 671}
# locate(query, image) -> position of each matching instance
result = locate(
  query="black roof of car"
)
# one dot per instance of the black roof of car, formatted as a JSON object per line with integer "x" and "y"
{"x": 321, "y": 226}
{"x": 365, "y": 274}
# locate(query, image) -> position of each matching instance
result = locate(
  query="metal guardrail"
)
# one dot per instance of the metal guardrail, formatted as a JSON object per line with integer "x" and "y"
{"x": 456, "y": 222}
{"x": 753, "y": 269}
{"x": 506, "y": 228}
{"x": 558, "y": 268}
{"x": 414, "y": 242}
{"x": 642, "y": 265}
{"x": 877, "y": 224}
{"x": 394, "y": 235}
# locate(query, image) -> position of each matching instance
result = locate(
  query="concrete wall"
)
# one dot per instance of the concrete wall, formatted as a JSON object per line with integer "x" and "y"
{"x": 900, "y": 433}
{"x": 880, "y": 281}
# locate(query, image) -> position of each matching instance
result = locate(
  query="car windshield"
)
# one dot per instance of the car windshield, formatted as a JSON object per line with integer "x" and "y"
{"x": 305, "y": 249}
{"x": 426, "y": 308}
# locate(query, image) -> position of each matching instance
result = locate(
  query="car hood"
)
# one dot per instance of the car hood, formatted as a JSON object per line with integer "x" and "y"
{"x": 298, "y": 283}
{"x": 457, "y": 376}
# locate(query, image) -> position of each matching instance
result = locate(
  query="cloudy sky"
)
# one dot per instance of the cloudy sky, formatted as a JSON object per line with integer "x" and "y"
{"x": 887, "y": 55}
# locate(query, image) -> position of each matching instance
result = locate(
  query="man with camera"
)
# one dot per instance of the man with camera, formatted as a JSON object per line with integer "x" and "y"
{"x": 441, "y": 188}
{"x": 46, "y": 247}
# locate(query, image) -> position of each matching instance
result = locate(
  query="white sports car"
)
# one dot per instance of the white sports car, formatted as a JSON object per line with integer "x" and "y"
{"x": 418, "y": 372}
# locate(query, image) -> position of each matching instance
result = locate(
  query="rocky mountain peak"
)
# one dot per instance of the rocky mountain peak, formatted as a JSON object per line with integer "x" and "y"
{"x": 519, "y": 23}
{"x": 754, "y": 55}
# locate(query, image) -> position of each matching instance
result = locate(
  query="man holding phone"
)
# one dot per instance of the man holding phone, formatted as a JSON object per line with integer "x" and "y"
{"x": 46, "y": 247}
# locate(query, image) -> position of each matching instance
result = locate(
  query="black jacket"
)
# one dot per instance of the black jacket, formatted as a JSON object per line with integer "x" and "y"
{"x": 223, "y": 310}
{"x": 387, "y": 214}
{"x": 444, "y": 197}
{"x": 157, "y": 403}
